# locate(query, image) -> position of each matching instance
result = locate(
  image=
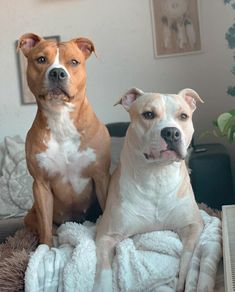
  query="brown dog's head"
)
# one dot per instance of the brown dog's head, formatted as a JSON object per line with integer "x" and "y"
{"x": 56, "y": 70}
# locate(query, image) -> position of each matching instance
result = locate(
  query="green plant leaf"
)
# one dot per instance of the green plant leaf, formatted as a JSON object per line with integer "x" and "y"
{"x": 232, "y": 112}
{"x": 224, "y": 125}
{"x": 223, "y": 122}
{"x": 205, "y": 135}
{"x": 231, "y": 133}
{"x": 231, "y": 90}
{"x": 233, "y": 70}
{"x": 230, "y": 36}
{"x": 216, "y": 132}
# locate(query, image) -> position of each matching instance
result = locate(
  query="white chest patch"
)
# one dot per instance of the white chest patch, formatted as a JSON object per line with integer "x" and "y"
{"x": 62, "y": 156}
{"x": 56, "y": 64}
{"x": 149, "y": 196}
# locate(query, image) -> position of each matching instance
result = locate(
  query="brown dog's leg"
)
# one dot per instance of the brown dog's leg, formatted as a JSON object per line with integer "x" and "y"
{"x": 189, "y": 236}
{"x": 31, "y": 221}
{"x": 101, "y": 185}
{"x": 43, "y": 207}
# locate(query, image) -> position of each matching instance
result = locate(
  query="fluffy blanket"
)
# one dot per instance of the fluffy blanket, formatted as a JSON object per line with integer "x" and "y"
{"x": 147, "y": 262}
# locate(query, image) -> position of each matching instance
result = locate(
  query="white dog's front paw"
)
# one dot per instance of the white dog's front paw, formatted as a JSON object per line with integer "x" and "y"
{"x": 103, "y": 282}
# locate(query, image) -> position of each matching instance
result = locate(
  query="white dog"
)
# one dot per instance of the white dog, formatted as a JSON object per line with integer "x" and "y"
{"x": 150, "y": 189}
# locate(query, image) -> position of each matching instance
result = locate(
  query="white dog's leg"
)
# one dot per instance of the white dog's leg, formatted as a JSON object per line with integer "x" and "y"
{"x": 105, "y": 247}
{"x": 189, "y": 236}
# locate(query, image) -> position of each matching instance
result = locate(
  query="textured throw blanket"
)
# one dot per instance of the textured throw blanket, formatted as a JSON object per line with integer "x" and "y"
{"x": 146, "y": 262}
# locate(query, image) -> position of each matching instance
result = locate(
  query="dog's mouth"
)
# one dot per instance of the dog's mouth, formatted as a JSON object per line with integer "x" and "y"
{"x": 56, "y": 94}
{"x": 163, "y": 154}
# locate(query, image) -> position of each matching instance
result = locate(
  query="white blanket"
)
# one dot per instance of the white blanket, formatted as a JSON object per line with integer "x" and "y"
{"x": 146, "y": 262}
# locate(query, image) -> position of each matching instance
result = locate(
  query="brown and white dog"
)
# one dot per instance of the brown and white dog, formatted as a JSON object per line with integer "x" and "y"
{"x": 67, "y": 147}
{"x": 150, "y": 189}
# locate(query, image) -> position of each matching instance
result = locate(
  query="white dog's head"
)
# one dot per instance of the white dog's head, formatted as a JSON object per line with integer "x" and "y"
{"x": 161, "y": 126}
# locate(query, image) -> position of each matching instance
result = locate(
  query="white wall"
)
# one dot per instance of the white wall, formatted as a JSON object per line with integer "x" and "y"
{"x": 122, "y": 33}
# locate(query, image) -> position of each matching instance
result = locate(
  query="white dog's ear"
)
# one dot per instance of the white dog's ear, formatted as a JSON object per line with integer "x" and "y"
{"x": 129, "y": 97}
{"x": 191, "y": 97}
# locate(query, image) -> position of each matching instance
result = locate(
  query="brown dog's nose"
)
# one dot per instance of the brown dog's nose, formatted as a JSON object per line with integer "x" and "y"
{"x": 57, "y": 74}
{"x": 171, "y": 135}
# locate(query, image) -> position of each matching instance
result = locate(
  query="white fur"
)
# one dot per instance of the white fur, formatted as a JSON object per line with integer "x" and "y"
{"x": 56, "y": 64}
{"x": 62, "y": 156}
{"x": 153, "y": 140}
{"x": 153, "y": 186}
{"x": 149, "y": 196}
{"x": 154, "y": 189}
{"x": 171, "y": 107}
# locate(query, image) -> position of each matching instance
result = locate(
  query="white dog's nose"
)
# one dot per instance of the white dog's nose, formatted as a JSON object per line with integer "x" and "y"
{"x": 171, "y": 135}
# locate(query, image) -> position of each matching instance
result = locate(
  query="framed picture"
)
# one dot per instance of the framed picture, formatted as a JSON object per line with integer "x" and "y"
{"x": 176, "y": 27}
{"x": 26, "y": 95}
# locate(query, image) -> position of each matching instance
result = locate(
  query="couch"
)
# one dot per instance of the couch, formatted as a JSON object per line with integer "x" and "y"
{"x": 16, "y": 183}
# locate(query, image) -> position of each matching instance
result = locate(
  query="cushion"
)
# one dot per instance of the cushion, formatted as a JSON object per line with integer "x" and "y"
{"x": 15, "y": 183}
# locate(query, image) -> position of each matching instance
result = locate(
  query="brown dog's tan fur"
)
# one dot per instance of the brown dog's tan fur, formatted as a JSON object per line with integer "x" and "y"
{"x": 56, "y": 200}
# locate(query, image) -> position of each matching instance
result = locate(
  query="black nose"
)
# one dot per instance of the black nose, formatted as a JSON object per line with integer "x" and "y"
{"x": 57, "y": 74}
{"x": 171, "y": 135}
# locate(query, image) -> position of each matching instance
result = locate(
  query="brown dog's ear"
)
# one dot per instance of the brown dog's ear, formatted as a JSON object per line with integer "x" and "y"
{"x": 191, "y": 97}
{"x": 86, "y": 46}
{"x": 129, "y": 97}
{"x": 27, "y": 42}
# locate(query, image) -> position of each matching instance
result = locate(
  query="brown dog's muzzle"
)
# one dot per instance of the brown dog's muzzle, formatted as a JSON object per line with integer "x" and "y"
{"x": 58, "y": 84}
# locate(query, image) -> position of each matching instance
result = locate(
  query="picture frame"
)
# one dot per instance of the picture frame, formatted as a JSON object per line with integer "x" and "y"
{"x": 27, "y": 97}
{"x": 176, "y": 27}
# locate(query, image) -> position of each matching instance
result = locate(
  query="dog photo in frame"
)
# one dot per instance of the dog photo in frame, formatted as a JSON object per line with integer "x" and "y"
{"x": 176, "y": 27}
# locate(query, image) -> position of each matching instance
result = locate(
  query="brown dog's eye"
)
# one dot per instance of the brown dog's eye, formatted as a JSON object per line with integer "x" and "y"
{"x": 148, "y": 115}
{"x": 75, "y": 62}
{"x": 41, "y": 60}
{"x": 183, "y": 117}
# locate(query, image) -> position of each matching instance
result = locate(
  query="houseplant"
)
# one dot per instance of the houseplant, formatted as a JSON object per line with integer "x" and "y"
{"x": 224, "y": 125}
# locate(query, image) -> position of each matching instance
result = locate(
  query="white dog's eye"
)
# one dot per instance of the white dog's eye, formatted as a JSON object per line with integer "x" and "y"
{"x": 183, "y": 116}
{"x": 148, "y": 115}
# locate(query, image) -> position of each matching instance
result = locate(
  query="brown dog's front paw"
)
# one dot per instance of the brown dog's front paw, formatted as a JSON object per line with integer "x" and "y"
{"x": 46, "y": 240}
